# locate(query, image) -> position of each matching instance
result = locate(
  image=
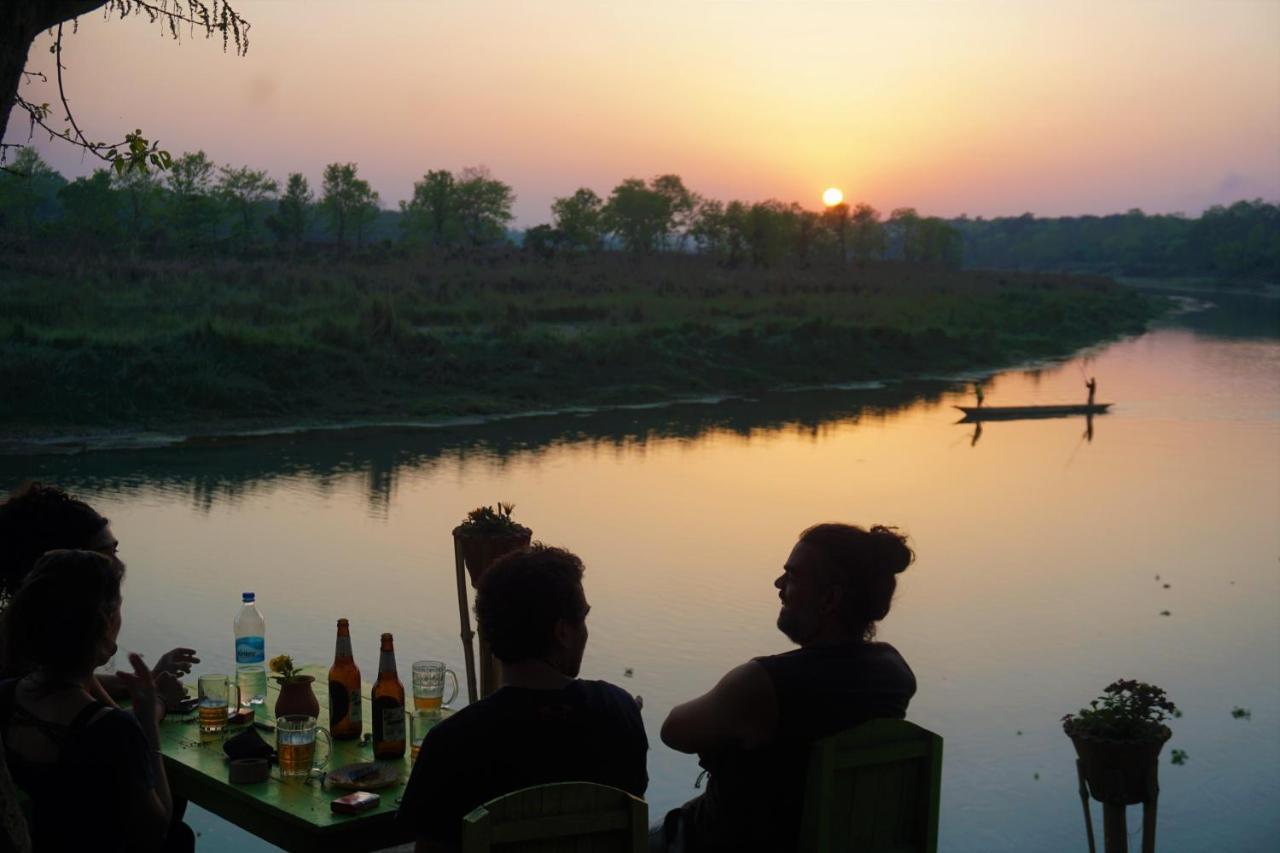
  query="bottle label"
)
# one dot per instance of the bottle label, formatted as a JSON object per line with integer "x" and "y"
{"x": 388, "y": 721}
{"x": 250, "y": 650}
{"x": 393, "y": 723}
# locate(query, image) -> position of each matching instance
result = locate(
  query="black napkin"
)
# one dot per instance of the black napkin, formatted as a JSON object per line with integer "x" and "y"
{"x": 248, "y": 744}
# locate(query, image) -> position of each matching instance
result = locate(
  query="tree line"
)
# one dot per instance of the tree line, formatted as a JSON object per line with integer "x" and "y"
{"x": 199, "y": 206}
{"x": 1237, "y": 241}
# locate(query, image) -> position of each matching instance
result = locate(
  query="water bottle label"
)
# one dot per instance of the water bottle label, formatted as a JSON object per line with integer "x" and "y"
{"x": 250, "y": 650}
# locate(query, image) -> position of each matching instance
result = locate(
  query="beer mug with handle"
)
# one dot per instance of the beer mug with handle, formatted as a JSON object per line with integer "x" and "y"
{"x": 296, "y": 736}
{"x": 218, "y": 698}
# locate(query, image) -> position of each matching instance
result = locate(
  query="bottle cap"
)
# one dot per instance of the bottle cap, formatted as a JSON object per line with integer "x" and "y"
{"x": 246, "y": 597}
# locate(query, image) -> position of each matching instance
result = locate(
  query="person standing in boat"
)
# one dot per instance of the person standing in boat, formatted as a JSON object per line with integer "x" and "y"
{"x": 977, "y": 391}
{"x": 1092, "y": 385}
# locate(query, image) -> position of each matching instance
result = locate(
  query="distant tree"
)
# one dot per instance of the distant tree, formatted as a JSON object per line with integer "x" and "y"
{"x": 91, "y": 210}
{"x": 196, "y": 209}
{"x": 806, "y": 232}
{"x": 939, "y": 243}
{"x": 293, "y": 211}
{"x": 681, "y": 206}
{"x": 769, "y": 232}
{"x": 347, "y": 200}
{"x": 736, "y": 229}
{"x": 483, "y": 205}
{"x": 431, "y": 212}
{"x": 28, "y": 189}
{"x": 836, "y": 218}
{"x": 580, "y": 219}
{"x": 143, "y": 202}
{"x": 637, "y": 215}
{"x": 904, "y": 225}
{"x": 543, "y": 241}
{"x": 867, "y": 234}
{"x": 245, "y": 190}
{"x": 709, "y": 228}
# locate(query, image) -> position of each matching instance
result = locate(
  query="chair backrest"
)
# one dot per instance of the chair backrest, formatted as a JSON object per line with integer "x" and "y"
{"x": 581, "y": 817}
{"x": 873, "y": 789}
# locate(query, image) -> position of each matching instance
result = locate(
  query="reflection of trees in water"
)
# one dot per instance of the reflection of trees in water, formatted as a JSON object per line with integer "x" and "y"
{"x": 229, "y": 469}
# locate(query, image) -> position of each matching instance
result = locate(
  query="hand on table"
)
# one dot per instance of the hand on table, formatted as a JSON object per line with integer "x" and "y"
{"x": 177, "y": 662}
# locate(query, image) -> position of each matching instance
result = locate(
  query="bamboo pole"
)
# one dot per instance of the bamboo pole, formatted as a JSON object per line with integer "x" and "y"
{"x": 1084, "y": 800}
{"x": 465, "y": 617}
{"x": 1115, "y": 832}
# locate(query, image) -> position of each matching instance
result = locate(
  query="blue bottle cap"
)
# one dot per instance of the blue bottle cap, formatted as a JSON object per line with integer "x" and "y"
{"x": 246, "y": 596}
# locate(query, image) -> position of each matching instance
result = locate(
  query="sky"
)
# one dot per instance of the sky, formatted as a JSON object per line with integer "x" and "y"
{"x": 978, "y": 108}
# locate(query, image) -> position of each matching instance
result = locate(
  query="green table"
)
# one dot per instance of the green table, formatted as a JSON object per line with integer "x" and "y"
{"x": 294, "y": 815}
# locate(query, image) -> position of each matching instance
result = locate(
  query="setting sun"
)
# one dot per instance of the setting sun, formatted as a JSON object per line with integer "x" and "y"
{"x": 832, "y": 196}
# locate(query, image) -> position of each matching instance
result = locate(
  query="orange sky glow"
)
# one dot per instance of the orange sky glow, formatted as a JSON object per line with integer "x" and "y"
{"x": 991, "y": 108}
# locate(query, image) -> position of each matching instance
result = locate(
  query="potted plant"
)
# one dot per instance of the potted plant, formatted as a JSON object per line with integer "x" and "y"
{"x": 1118, "y": 739}
{"x": 296, "y": 695}
{"x": 488, "y": 533}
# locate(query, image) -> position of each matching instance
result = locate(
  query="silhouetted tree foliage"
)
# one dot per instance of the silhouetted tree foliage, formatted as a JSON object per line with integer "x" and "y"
{"x": 1240, "y": 241}
{"x": 293, "y": 212}
{"x": 200, "y": 206}
{"x": 580, "y": 220}
{"x": 348, "y": 201}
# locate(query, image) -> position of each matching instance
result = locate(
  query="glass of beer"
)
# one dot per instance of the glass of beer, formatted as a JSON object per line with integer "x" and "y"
{"x": 420, "y": 723}
{"x": 296, "y": 746}
{"x": 429, "y": 677}
{"x": 217, "y": 694}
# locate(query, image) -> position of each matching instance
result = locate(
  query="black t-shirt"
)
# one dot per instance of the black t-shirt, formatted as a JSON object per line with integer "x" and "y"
{"x": 755, "y": 797}
{"x": 84, "y": 800}
{"x": 587, "y": 731}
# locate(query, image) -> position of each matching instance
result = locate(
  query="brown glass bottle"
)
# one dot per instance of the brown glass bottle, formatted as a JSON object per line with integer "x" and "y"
{"x": 345, "y": 722}
{"x": 388, "y": 706}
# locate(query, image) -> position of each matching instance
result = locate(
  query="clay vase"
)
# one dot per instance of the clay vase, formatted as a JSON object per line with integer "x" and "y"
{"x": 297, "y": 697}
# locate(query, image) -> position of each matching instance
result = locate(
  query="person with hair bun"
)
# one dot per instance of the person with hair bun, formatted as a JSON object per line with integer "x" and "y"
{"x": 754, "y": 729}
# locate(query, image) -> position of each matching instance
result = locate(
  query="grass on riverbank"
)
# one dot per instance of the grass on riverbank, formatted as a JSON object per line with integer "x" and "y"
{"x": 176, "y": 345}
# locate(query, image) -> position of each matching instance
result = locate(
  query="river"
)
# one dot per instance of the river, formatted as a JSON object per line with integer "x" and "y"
{"x": 1050, "y": 562}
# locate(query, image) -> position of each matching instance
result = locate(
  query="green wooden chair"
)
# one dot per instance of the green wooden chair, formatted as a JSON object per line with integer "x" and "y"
{"x": 580, "y": 817}
{"x": 873, "y": 789}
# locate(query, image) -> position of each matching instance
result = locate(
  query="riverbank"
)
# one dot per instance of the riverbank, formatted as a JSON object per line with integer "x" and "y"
{"x": 169, "y": 348}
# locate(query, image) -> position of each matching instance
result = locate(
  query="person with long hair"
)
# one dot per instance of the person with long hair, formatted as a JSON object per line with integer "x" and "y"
{"x": 93, "y": 771}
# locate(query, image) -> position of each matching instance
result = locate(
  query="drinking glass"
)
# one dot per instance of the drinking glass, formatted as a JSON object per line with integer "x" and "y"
{"x": 217, "y": 694}
{"x": 420, "y": 722}
{"x": 428, "y": 685}
{"x": 296, "y": 746}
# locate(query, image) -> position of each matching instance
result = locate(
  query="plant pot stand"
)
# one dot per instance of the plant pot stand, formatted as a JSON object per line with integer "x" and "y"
{"x": 1115, "y": 831}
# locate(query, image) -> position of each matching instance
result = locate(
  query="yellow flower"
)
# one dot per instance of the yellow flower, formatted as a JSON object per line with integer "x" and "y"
{"x": 282, "y": 664}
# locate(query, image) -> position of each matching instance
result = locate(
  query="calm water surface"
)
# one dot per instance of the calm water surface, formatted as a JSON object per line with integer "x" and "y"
{"x": 1043, "y": 557}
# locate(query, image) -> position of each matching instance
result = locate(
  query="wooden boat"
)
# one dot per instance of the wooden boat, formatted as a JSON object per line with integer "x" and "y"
{"x": 1014, "y": 413}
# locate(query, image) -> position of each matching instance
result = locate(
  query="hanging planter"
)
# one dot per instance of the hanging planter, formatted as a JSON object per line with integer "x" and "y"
{"x": 1120, "y": 772}
{"x": 487, "y": 534}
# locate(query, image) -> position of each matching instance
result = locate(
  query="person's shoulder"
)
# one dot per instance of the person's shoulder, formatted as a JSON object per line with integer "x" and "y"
{"x": 607, "y": 692}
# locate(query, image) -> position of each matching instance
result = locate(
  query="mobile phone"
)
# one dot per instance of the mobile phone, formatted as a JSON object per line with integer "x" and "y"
{"x": 358, "y": 802}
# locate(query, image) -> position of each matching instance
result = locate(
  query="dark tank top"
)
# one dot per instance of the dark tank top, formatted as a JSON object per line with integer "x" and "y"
{"x": 755, "y": 797}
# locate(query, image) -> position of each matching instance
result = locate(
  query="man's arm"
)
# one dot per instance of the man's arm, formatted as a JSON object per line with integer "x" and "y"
{"x": 741, "y": 711}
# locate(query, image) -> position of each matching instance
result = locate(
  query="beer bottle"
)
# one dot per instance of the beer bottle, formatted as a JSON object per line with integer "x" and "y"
{"x": 388, "y": 706}
{"x": 344, "y": 689}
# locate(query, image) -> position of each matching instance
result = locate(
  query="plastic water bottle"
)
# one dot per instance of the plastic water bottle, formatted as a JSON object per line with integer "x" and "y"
{"x": 251, "y": 656}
